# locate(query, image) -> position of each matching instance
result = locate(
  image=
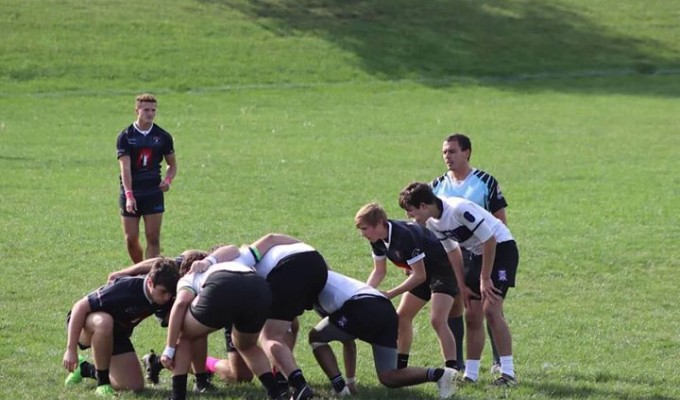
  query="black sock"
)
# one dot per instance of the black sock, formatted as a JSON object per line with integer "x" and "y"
{"x": 269, "y": 382}
{"x": 281, "y": 381}
{"x": 433, "y": 374}
{"x": 457, "y": 326}
{"x": 402, "y": 361}
{"x": 297, "y": 380}
{"x": 338, "y": 383}
{"x": 103, "y": 377}
{"x": 88, "y": 370}
{"x": 179, "y": 387}
{"x": 451, "y": 364}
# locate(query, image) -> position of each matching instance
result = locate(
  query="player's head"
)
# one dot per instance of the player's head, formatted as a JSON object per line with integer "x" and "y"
{"x": 163, "y": 279}
{"x": 417, "y": 199}
{"x": 145, "y": 107}
{"x": 189, "y": 256}
{"x": 371, "y": 221}
{"x": 456, "y": 150}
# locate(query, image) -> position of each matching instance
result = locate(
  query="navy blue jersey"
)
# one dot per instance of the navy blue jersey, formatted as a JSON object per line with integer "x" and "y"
{"x": 408, "y": 243}
{"x": 146, "y": 153}
{"x": 125, "y": 300}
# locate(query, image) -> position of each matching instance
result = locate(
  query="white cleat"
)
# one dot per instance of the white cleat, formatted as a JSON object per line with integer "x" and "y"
{"x": 447, "y": 383}
{"x": 344, "y": 392}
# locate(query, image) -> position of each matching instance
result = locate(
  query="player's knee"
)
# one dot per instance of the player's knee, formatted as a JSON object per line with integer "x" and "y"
{"x": 387, "y": 379}
{"x": 439, "y": 321}
{"x": 102, "y": 322}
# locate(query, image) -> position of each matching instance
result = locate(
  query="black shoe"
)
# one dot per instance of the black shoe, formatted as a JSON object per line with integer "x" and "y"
{"x": 505, "y": 380}
{"x": 305, "y": 393}
{"x": 204, "y": 387}
{"x": 153, "y": 367}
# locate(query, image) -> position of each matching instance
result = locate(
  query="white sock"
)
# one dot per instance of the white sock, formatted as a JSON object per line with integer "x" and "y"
{"x": 472, "y": 369}
{"x": 507, "y": 366}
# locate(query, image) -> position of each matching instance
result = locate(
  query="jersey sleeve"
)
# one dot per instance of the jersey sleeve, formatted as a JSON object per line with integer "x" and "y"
{"x": 187, "y": 283}
{"x": 467, "y": 215}
{"x": 412, "y": 247}
{"x": 122, "y": 145}
{"x": 169, "y": 147}
{"x": 495, "y": 200}
{"x": 378, "y": 252}
{"x": 109, "y": 296}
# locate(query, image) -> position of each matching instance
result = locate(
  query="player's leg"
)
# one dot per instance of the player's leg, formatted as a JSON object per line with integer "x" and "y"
{"x": 131, "y": 232}
{"x": 319, "y": 338}
{"x": 152, "y": 232}
{"x": 474, "y": 321}
{"x": 456, "y": 323}
{"x": 125, "y": 372}
{"x": 199, "y": 354}
{"x": 441, "y": 305}
{"x": 100, "y": 329}
{"x": 407, "y": 310}
{"x": 192, "y": 330}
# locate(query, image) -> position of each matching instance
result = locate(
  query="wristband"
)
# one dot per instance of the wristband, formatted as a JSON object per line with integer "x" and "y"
{"x": 129, "y": 194}
{"x": 212, "y": 260}
{"x": 350, "y": 380}
{"x": 255, "y": 253}
{"x": 168, "y": 180}
{"x": 169, "y": 352}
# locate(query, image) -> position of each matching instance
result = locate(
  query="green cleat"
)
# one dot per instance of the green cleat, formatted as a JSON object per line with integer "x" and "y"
{"x": 75, "y": 377}
{"x": 105, "y": 391}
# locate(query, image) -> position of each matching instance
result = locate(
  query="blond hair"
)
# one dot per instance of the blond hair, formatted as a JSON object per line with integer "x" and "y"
{"x": 371, "y": 214}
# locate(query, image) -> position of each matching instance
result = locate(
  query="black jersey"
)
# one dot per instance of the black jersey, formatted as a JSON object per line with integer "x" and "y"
{"x": 126, "y": 301}
{"x": 146, "y": 152}
{"x": 408, "y": 243}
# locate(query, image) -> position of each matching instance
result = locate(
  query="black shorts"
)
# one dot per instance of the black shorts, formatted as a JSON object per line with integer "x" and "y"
{"x": 296, "y": 282}
{"x": 369, "y": 318}
{"x": 440, "y": 279}
{"x": 241, "y": 299}
{"x": 149, "y": 204}
{"x": 504, "y": 268}
{"x": 121, "y": 339}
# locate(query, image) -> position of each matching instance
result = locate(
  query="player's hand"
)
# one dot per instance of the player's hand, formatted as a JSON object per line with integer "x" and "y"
{"x": 131, "y": 205}
{"x": 70, "y": 360}
{"x": 167, "y": 362}
{"x": 115, "y": 275}
{"x": 164, "y": 186}
{"x": 199, "y": 266}
{"x": 467, "y": 294}
{"x": 489, "y": 291}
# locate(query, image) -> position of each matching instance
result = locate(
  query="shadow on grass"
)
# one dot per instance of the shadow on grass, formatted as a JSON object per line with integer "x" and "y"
{"x": 446, "y": 42}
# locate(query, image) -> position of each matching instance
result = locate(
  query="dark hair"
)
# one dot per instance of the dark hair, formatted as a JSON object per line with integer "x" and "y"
{"x": 415, "y": 194}
{"x": 189, "y": 257}
{"x": 463, "y": 142}
{"x": 165, "y": 272}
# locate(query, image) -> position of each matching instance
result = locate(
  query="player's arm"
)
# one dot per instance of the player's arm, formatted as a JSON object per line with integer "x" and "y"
{"x": 170, "y": 172}
{"x": 141, "y": 268}
{"x": 455, "y": 256}
{"x": 126, "y": 178}
{"x": 349, "y": 354}
{"x": 379, "y": 271}
{"x": 417, "y": 276}
{"x": 500, "y": 214}
{"x": 76, "y": 323}
{"x": 185, "y": 296}
{"x": 266, "y": 242}
{"x": 221, "y": 254}
{"x": 488, "y": 257}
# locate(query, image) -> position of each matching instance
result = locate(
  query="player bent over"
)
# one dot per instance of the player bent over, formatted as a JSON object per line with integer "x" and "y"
{"x": 354, "y": 310}
{"x": 105, "y": 319}
{"x": 461, "y": 223}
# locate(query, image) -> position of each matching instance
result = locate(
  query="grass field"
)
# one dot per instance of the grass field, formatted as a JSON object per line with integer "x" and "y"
{"x": 290, "y": 115}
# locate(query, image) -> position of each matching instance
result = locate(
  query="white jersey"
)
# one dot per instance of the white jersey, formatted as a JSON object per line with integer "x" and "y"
{"x": 194, "y": 281}
{"x": 272, "y": 257}
{"x": 340, "y": 288}
{"x": 464, "y": 222}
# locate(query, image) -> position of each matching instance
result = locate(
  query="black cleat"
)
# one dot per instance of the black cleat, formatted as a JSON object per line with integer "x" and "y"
{"x": 505, "y": 381}
{"x": 305, "y": 393}
{"x": 153, "y": 367}
{"x": 204, "y": 387}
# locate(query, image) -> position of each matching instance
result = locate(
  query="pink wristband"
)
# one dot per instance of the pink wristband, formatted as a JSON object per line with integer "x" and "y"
{"x": 128, "y": 194}
{"x": 168, "y": 180}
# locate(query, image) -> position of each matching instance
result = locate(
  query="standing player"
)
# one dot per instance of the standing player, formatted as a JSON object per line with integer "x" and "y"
{"x": 354, "y": 309}
{"x": 461, "y": 180}
{"x": 430, "y": 276}
{"x": 105, "y": 319}
{"x": 141, "y": 148}
{"x": 487, "y": 278}
{"x": 296, "y": 274}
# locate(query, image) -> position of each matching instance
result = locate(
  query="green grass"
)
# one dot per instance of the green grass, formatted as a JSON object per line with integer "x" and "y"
{"x": 288, "y": 116}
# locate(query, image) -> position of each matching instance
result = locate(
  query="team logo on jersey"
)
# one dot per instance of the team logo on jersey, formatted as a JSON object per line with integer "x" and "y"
{"x": 144, "y": 157}
{"x": 469, "y": 217}
{"x": 499, "y": 195}
{"x": 503, "y": 275}
{"x": 416, "y": 252}
{"x": 342, "y": 321}
{"x": 156, "y": 139}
